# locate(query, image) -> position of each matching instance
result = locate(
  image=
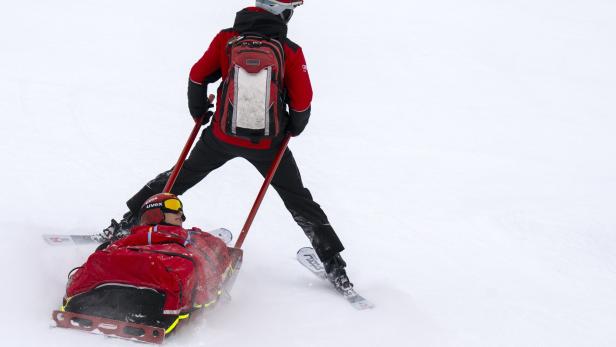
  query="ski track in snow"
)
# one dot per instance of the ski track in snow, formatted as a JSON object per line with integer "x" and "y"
{"x": 463, "y": 152}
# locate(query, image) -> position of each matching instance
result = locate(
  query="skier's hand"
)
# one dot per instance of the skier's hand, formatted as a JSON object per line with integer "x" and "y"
{"x": 207, "y": 115}
{"x": 198, "y": 102}
{"x": 298, "y": 121}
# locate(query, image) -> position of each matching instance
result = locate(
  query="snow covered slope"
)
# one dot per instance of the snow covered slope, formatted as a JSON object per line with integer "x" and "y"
{"x": 464, "y": 151}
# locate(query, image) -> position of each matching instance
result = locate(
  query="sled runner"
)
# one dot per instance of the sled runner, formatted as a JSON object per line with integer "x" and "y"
{"x": 126, "y": 330}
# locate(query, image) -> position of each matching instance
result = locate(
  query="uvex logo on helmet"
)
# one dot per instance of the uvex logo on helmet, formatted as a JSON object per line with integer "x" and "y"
{"x": 153, "y": 205}
{"x": 278, "y": 6}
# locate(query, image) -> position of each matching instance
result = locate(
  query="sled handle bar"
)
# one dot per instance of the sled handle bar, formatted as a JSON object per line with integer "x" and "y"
{"x": 178, "y": 166}
{"x": 261, "y": 195}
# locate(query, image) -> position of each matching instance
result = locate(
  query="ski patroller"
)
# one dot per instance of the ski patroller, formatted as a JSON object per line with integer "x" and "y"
{"x": 295, "y": 130}
{"x": 309, "y": 259}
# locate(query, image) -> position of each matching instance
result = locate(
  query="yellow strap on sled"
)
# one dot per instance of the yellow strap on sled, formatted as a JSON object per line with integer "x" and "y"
{"x": 63, "y": 307}
{"x": 175, "y": 323}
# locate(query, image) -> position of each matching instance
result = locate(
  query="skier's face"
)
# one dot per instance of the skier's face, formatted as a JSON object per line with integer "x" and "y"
{"x": 174, "y": 218}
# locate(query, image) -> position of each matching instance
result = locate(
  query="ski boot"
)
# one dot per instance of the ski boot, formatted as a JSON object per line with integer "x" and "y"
{"x": 116, "y": 230}
{"x": 334, "y": 267}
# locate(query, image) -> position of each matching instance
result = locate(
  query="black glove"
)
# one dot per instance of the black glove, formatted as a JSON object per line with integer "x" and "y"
{"x": 298, "y": 121}
{"x": 198, "y": 102}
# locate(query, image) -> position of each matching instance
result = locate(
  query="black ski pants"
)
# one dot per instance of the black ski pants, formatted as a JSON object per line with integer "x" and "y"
{"x": 210, "y": 154}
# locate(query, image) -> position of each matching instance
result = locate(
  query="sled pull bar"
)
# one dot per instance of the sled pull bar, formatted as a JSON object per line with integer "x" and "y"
{"x": 178, "y": 166}
{"x": 266, "y": 183}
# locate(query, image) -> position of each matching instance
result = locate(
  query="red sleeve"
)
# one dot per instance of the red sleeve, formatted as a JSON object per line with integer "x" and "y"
{"x": 297, "y": 81}
{"x": 208, "y": 69}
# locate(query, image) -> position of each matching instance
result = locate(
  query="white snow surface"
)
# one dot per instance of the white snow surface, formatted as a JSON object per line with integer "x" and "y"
{"x": 463, "y": 151}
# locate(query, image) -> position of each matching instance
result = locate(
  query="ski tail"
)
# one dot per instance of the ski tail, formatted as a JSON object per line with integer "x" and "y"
{"x": 309, "y": 259}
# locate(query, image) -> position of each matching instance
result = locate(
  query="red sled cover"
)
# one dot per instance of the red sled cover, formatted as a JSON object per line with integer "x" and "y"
{"x": 188, "y": 266}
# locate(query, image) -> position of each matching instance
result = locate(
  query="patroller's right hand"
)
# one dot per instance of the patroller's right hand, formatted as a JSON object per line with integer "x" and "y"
{"x": 199, "y": 104}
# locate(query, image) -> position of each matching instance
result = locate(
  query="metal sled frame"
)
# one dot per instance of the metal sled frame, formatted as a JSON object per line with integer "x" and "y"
{"x": 125, "y": 330}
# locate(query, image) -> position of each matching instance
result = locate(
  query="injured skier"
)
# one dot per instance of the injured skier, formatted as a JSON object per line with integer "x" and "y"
{"x": 155, "y": 276}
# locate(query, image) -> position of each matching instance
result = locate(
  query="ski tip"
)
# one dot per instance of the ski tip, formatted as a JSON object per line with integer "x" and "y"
{"x": 57, "y": 240}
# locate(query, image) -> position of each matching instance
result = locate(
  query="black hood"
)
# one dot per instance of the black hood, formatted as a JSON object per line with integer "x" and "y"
{"x": 264, "y": 23}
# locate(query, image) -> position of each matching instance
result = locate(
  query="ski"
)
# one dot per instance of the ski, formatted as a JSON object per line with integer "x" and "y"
{"x": 65, "y": 240}
{"x": 309, "y": 259}
{"x": 222, "y": 233}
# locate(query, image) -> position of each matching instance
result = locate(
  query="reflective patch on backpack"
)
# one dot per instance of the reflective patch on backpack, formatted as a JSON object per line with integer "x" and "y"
{"x": 252, "y": 94}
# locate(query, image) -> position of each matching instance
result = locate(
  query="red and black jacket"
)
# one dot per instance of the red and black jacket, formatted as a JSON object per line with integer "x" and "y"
{"x": 214, "y": 64}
